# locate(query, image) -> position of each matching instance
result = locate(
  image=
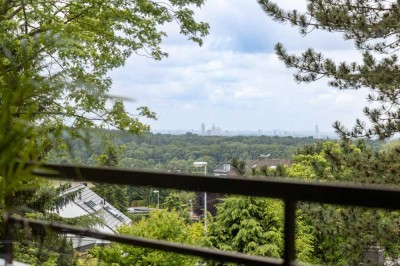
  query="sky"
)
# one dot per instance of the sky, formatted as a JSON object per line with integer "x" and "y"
{"x": 235, "y": 80}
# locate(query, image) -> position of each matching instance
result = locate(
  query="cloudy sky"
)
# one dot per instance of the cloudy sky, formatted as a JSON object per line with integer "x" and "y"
{"x": 235, "y": 80}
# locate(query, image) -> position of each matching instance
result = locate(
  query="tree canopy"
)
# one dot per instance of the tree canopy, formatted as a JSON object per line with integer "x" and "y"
{"x": 372, "y": 25}
{"x": 54, "y": 62}
{"x": 63, "y": 51}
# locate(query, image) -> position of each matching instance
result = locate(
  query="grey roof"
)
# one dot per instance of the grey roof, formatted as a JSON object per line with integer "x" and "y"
{"x": 93, "y": 203}
{"x": 261, "y": 161}
{"x": 226, "y": 169}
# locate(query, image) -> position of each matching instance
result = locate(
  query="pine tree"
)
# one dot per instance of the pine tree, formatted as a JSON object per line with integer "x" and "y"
{"x": 343, "y": 234}
{"x": 372, "y": 25}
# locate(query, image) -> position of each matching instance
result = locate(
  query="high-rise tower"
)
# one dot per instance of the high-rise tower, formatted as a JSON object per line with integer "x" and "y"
{"x": 203, "y": 129}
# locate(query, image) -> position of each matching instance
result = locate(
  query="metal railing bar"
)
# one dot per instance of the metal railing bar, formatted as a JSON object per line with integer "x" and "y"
{"x": 8, "y": 242}
{"x": 290, "y": 232}
{"x": 149, "y": 243}
{"x": 342, "y": 194}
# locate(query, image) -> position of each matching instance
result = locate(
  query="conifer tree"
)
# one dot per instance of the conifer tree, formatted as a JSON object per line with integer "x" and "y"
{"x": 255, "y": 226}
{"x": 116, "y": 195}
{"x": 343, "y": 234}
{"x": 372, "y": 25}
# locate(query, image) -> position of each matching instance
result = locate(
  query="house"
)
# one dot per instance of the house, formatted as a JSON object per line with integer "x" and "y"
{"x": 88, "y": 202}
{"x": 222, "y": 169}
{"x": 225, "y": 168}
{"x": 140, "y": 210}
{"x": 263, "y": 161}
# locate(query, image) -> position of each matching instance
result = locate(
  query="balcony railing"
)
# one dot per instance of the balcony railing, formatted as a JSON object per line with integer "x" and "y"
{"x": 289, "y": 191}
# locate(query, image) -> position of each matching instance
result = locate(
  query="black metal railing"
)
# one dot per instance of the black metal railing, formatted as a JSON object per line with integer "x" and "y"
{"x": 289, "y": 191}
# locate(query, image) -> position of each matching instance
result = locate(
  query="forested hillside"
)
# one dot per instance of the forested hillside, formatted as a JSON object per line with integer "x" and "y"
{"x": 178, "y": 152}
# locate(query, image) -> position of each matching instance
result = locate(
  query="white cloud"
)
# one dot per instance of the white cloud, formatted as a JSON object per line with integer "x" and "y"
{"x": 249, "y": 93}
{"x": 217, "y": 95}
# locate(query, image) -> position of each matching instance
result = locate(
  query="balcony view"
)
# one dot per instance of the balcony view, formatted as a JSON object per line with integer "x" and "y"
{"x": 194, "y": 132}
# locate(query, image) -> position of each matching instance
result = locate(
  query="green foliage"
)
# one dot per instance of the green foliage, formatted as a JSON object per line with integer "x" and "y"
{"x": 239, "y": 166}
{"x": 20, "y": 141}
{"x": 54, "y": 60}
{"x": 280, "y": 171}
{"x": 85, "y": 221}
{"x": 241, "y": 169}
{"x": 89, "y": 260}
{"x": 172, "y": 153}
{"x": 173, "y": 202}
{"x": 255, "y": 226}
{"x": 45, "y": 249}
{"x": 390, "y": 146}
{"x": 67, "y": 48}
{"x": 116, "y": 195}
{"x": 39, "y": 196}
{"x": 342, "y": 235}
{"x": 41, "y": 246}
{"x": 371, "y": 25}
{"x": 162, "y": 224}
{"x": 347, "y": 161}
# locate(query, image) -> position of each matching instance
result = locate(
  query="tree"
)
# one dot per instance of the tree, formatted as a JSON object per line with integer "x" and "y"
{"x": 54, "y": 60}
{"x": 346, "y": 162}
{"x": 173, "y": 202}
{"x": 343, "y": 234}
{"x": 255, "y": 226}
{"x": 372, "y": 26}
{"x": 67, "y": 49}
{"x": 162, "y": 224}
{"x": 55, "y": 56}
{"x": 116, "y": 195}
{"x": 40, "y": 246}
{"x": 239, "y": 166}
{"x": 49, "y": 250}
{"x": 264, "y": 170}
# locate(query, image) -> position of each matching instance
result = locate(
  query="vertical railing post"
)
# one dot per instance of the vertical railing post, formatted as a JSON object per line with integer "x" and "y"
{"x": 8, "y": 240}
{"x": 290, "y": 232}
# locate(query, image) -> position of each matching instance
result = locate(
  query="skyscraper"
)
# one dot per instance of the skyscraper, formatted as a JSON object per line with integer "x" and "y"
{"x": 203, "y": 129}
{"x": 316, "y": 135}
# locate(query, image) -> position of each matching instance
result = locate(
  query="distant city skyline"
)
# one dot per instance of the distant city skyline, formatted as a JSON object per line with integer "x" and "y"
{"x": 215, "y": 130}
{"x": 311, "y": 130}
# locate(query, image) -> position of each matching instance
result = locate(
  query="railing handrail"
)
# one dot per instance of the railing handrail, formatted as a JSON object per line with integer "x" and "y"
{"x": 322, "y": 192}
